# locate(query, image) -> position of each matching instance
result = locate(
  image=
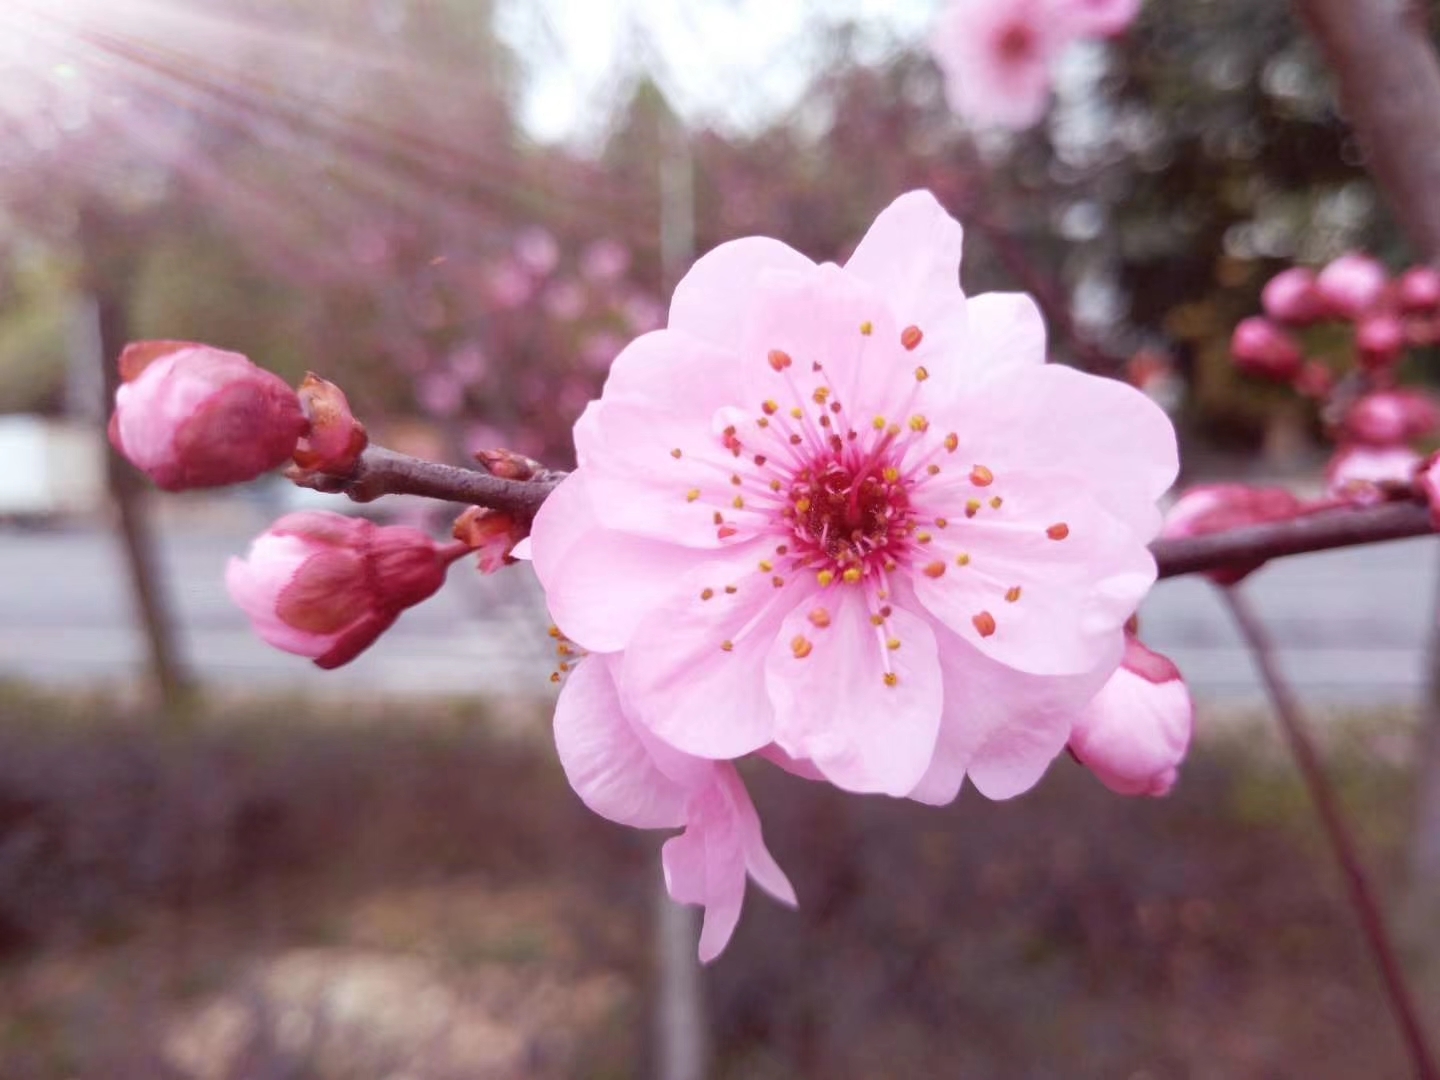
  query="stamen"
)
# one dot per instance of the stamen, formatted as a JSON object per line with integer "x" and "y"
{"x": 980, "y": 476}
{"x": 911, "y": 337}
{"x": 706, "y": 594}
{"x": 819, "y": 618}
{"x": 1013, "y": 593}
{"x": 779, "y": 359}
{"x": 727, "y": 646}
{"x": 935, "y": 569}
{"x": 962, "y": 559}
{"x": 995, "y": 502}
{"x": 851, "y": 575}
{"x": 984, "y": 623}
{"x": 972, "y": 507}
{"x": 952, "y": 442}
{"x": 692, "y": 495}
{"x": 891, "y": 678}
{"x": 675, "y": 453}
{"x": 1058, "y": 531}
{"x": 892, "y": 643}
{"x": 867, "y": 328}
{"x": 801, "y": 647}
{"x": 921, "y": 374}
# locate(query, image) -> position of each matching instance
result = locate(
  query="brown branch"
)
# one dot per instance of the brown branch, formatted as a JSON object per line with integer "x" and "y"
{"x": 386, "y": 472}
{"x": 1342, "y": 527}
{"x": 1389, "y": 86}
{"x": 1322, "y": 793}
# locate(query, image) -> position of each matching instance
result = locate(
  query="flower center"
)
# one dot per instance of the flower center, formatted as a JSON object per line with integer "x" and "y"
{"x": 1015, "y": 42}
{"x": 845, "y": 518}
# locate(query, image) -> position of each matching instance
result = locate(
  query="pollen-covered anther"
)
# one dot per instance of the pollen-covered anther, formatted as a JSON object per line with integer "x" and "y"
{"x": 1058, "y": 531}
{"x": 996, "y": 502}
{"x": 769, "y": 407}
{"x": 941, "y": 522}
{"x": 935, "y": 569}
{"x": 706, "y": 594}
{"x": 851, "y": 575}
{"x": 891, "y": 474}
{"x": 675, "y": 453}
{"x": 867, "y": 328}
{"x": 735, "y": 479}
{"x": 984, "y": 623}
{"x": 778, "y": 581}
{"x": 952, "y": 442}
{"x": 980, "y": 476}
{"x": 963, "y": 559}
{"x": 775, "y": 485}
{"x": 779, "y": 359}
{"x": 821, "y": 395}
{"x": 892, "y": 643}
{"x": 766, "y": 566}
{"x": 923, "y": 538}
{"x": 800, "y": 647}
{"x": 921, "y": 374}
{"x": 819, "y": 618}
{"x": 825, "y": 578}
{"x": 1012, "y": 594}
{"x": 692, "y": 495}
{"x": 911, "y": 337}
{"x": 555, "y": 676}
{"x": 891, "y": 679}
{"x": 932, "y": 469}
{"x": 878, "y": 423}
{"x": 738, "y": 503}
{"x": 726, "y": 531}
{"x": 727, "y": 646}
{"x": 554, "y": 631}
{"x": 797, "y": 413}
{"x": 919, "y": 424}
{"x": 731, "y": 590}
{"x": 972, "y": 507}
{"x": 877, "y": 620}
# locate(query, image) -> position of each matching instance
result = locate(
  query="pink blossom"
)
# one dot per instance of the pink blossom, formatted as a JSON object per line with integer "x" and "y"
{"x": 325, "y": 586}
{"x": 190, "y": 416}
{"x": 565, "y": 300}
{"x": 1380, "y": 338}
{"x": 1387, "y": 417}
{"x": 825, "y": 495}
{"x": 1261, "y": 348}
{"x": 1134, "y": 733}
{"x": 624, "y": 773}
{"x": 1291, "y": 297}
{"x": 1210, "y": 508}
{"x": 1097, "y": 18}
{"x": 509, "y": 286}
{"x": 605, "y": 260}
{"x": 468, "y": 363}
{"x": 1315, "y": 380}
{"x": 1418, "y": 291}
{"x": 996, "y": 57}
{"x": 1351, "y": 285}
{"x": 537, "y": 251}
{"x": 1360, "y": 473}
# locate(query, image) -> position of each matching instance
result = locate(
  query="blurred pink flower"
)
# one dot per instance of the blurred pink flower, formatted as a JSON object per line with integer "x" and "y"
{"x": 1358, "y": 472}
{"x": 440, "y": 393}
{"x": 1290, "y": 297}
{"x": 605, "y": 260}
{"x": 826, "y": 495}
{"x": 537, "y": 251}
{"x": 1418, "y": 291}
{"x": 1380, "y": 339}
{"x": 1134, "y": 733}
{"x": 191, "y": 416}
{"x": 509, "y": 286}
{"x": 1262, "y": 349}
{"x": 1210, "y": 508}
{"x": 1351, "y": 285}
{"x": 1097, "y": 18}
{"x": 600, "y": 349}
{"x": 468, "y": 363}
{"x": 1387, "y": 417}
{"x": 624, "y": 773}
{"x": 643, "y": 313}
{"x": 996, "y": 56}
{"x": 565, "y": 300}
{"x": 325, "y": 586}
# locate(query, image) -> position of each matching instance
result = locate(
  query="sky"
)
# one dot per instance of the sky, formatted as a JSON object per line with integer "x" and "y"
{"x": 733, "y": 63}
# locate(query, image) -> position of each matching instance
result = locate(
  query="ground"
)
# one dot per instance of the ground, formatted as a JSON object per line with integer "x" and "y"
{"x": 275, "y": 889}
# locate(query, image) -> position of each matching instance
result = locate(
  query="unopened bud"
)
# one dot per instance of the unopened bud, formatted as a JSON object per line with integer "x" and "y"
{"x": 1363, "y": 474}
{"x": 1290, "y": 297}
{"x": 335, "y": 439}
{"x": 1389, "y": 417}
{"x": 191, "y": 416}
{"x": 1211, "y": 508}
{"x": 325, "y": 586}
{"x": 1379, "y": 339}
{"x": 508, "y": 464}
{"x": 1418, "y": 291}
{"x": 1261, "y": 348}
{"x": 491, "y": 534}
{"x": 1134, "y": 733}
{"x": 1351, "y": 285}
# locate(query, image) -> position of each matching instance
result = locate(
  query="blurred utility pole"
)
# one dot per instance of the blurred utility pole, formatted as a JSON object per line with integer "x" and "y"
{"x": 102, "y": 286}
{"x": 682, "y": 1048}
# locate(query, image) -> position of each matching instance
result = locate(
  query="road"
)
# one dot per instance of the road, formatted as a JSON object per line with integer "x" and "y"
{"x": 1351, "y": 624}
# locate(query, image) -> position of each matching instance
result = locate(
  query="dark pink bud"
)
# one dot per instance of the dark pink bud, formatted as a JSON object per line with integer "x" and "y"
{"x": 491, "y": 534}
{"x": 1362, "y": 474}
{"x": 1351, "y": 285}
{"x": 1291, "y": 297}
{"x": 1379, "y": 339}
{"x": 1211, "y": 508}
{"x": 508, "y": 464}
{"x": 334, "y": 440}
{"x": 1261, "y": 348}
{"x": 1134, "y": 733}
{"x": 1389, "y": 417}
{"x": 1315, "y": 380}
{"x": 190, "y": 416}
{"x": 325, "y": 586}
{"x": 1418, "y": 291}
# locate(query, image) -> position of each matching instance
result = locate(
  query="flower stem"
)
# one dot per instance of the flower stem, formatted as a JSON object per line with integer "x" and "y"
{"x": 1342, "y": 842}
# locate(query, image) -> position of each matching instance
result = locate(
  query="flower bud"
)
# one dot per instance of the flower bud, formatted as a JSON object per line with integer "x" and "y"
{"x": 1361, "y": 473}
{"x": 1212, "y": 508}
{"x": 325, "y": 586}
{"x": 1290, "y": 297}
{"x": 1418, "y": 291}
{"x": 1134, "y": 733}
{"x": 1261, "y": 348}
{"x": 1379, "y": 339}
{"x": 1389, "y": 417}
{"x": 1315, "y": 380}
{"x": 509, "y": 464}
{"x": 491, "y": 534}
{"x": 1351, "y": 285}
{"x": 191, "y": 416}
{"x": 335, "y": 439}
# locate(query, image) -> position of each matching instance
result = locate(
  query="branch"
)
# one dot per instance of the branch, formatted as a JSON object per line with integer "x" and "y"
{"x": 1342, "y": 527}
{"x": 1389, "y": 84}
{"x": 386, "y": 472}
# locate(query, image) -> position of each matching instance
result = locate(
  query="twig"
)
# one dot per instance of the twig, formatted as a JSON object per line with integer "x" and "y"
{"x": 1362, "y": 897}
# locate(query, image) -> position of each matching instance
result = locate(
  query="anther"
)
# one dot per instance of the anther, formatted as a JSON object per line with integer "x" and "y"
{"x": 826, "y": 578}
{"x": 972, "y": 507}
{"x": 984, "y": 623}
{"x": 952, "y": 442}
{"x": 819, "y": 618}
{"x": 892, "y": 644}
{"x": 878, "y": 423}
{"x": 1058, "y": 531}
{"x": 760, "y": 460}
{"x": 962, "y": 559}
{"x": 941, "y": 523}
{"x": 891, "y": 678}
{"x": 921, "y": 374}
{"x": 727, "y": 646}
{"x": 933, "y": 469}
{"x": 706, "y": 594}
{"x": 796, "y": 413}
{"x": 766, "y": 566}
{"x": 867, "y": 328}
{"x": 980, "y": 476}
{"x": 692, "y": 494}
{"x": 919, "y": 424}
{"x": 891, "y": 474}
{"x": 910, "y": 337}
{"x": 731, "y": 590}
{"x": 735, "y": 479}
{"x": 800, "y": 647}
{"x": 675, "y": 453}
{"x": 923, "y": 538}
{"x": 779, "y": 359}
{"x": 935, "y": 569}
{"x": 851, "y": 575}
{"x": 738, "y": 503}
{"x": 995, "y": 502}
{"x": 778, "y": 581}
{"x": 769, "y": 407}
{"x": 877, "y": 620}
{"x": 1013, "y": 593}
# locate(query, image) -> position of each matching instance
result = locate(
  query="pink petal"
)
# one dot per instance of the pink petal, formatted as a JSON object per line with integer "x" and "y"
{"x": 833, "y": 704}
{"x": 605, "y": 760}
{"x": 684, "y": 685}
{"x": 256, "y": 583}
{"x": 714, "y": 300}
{"x": 1005, "y": 330}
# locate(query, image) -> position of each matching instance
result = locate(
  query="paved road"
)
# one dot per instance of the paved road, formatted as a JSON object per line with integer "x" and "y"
{"x": 1351, "y": 624}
